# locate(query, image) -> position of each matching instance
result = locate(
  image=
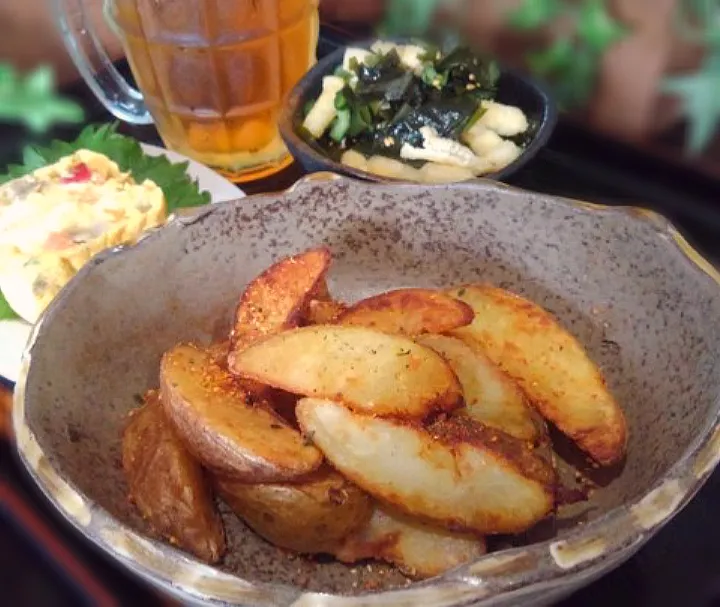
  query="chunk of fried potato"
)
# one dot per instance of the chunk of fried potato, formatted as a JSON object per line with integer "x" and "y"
{"x": 369, "y": 370}
{"x": 322, "y": 309}
{"x": 224, "y": 428}
{"x": 321, "y": 312}
{"x": 491, "y": 397}
{"x": 276, "y": 299}
{"x": 417, "y": 549}
{"x": 409, "y": 312}
{"x": 311, "y": 516}
{"x": 168, "y": 486}
{"x": 457, "y": 473}
{"x": 551, "y": 367}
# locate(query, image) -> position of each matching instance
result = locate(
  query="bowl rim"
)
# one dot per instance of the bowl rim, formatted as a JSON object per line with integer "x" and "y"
{"x": 584, "y": 552}
{"x": 327, "y": 64}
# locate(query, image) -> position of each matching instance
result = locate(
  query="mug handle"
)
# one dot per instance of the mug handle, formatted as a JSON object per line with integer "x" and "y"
{"x": 110, "y": 87}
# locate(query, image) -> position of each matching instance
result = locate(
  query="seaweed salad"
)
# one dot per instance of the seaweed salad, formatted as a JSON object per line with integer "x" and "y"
{"x": 416, "y": 112}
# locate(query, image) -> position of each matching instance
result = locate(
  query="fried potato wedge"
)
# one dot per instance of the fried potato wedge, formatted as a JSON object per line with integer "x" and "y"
{"x": 417, "y": 549}
{"x": 491, "y": 397}
{"x": 224, "y": 428}
{"x": 324, "y": 312}
{"x": 409, "y": 312}
{"x": 551, "y": 367}
{"x": 276, "y": 299}
{"x": 458, "y": 473}
{"x": 321, "y": 308}
{"x": 309, "y": 517}
{"x": 168, "y": 486}
{"x": 369, "y": 370}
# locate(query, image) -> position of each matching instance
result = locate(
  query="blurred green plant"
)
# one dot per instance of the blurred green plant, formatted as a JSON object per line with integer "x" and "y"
{"x": 33, "y": 101}
{"x": 570, "y": 64}
{"x": 699, "y": 21}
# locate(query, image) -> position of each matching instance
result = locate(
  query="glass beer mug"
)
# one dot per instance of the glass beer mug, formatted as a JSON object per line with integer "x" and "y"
{"x": 212, "y": 74}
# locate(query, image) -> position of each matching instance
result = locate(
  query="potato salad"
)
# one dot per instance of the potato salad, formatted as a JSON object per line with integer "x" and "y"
{"x": 416, "y": 112}
{"x": 55, "y": 219}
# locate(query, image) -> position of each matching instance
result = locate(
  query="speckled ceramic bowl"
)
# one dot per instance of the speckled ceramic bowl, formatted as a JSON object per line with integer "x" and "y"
{"x": 514, "y": 88}
{"x": 623, "y": 281}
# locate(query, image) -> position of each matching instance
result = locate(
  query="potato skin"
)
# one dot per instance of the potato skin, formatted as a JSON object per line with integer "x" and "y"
{"x": 309, "y": 517}
{"x": 168, "y": 486}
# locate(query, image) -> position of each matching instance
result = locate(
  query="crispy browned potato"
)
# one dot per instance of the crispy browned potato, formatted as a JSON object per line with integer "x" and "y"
{"x": 322, "y": 312}
{"x": 311, "y": 516}
{"x": 369, "y": 370}
{"x": 224, "y": 428}
{"x": 276, "y": 299}
{"x": 321, "y": 308}
{"x": 417, "y": 549}
{"x": 551, "y": 367}
{"x": 409, "y": 312}
{"x": 491, "y": 397}
{"x": 457, "y": 473}
{"x": 168, "y": 486}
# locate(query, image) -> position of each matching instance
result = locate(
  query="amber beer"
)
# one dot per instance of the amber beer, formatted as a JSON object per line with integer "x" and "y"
{"x": 214, "y": 74}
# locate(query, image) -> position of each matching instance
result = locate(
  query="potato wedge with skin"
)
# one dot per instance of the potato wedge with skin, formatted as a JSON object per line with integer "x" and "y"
{"x": 551, "y": 367}
{"x": 457, "y": 473}
{"x": 321, "y": 312}
{"x": 409, "y": 312}
{"x": 276, "y": 299}
{"x": 168, "y": 486}
{"x": 491, "y": 397}
{"x": 370, "y": 371}
{"x": 417, "y": 549}
{"x": 224, "y": 428}
{"x": 322, "y": 309}
{"x": 312, "y": 516}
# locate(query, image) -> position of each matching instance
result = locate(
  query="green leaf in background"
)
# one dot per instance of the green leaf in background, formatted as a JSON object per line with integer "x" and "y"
{"x": 180, "y": 190}
{"x": 596, "y": 27}
{"x": 6, "y": 312}
{"x": 577, "y": 84}
{"x": 533, "y": 14}
{"x": 570, "y": 68}
{"x": 408, "y": 17}
{"x": 700, "y": 96}
{"x": 32, "y": 100}
{"x": 558, "y": 57}
{"x": 698, "y": 21}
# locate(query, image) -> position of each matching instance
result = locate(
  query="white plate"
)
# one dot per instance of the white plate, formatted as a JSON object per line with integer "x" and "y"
{"x": 14, "y": 334}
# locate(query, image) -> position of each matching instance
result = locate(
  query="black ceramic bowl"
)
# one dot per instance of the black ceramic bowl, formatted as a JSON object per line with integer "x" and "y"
{"x": 514, "y": 89}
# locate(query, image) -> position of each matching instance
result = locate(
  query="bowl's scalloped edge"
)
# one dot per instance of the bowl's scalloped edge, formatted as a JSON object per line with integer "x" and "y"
{"x": 585, "y": 552}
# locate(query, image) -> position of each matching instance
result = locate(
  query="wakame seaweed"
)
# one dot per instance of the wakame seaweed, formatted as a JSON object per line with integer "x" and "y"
{"x": 389, "y": 104}
{"x": 447, "y": 116}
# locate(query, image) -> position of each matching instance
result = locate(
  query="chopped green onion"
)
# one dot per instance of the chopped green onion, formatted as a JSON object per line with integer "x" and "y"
{"x": 341, "y": 72}
{"x": 341, "y": 125}
{"x": 366, "y": 115}
{"x": 474, "y": 118}
{"x": 341, "y": 101}
{"x": 358, "y": 124}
